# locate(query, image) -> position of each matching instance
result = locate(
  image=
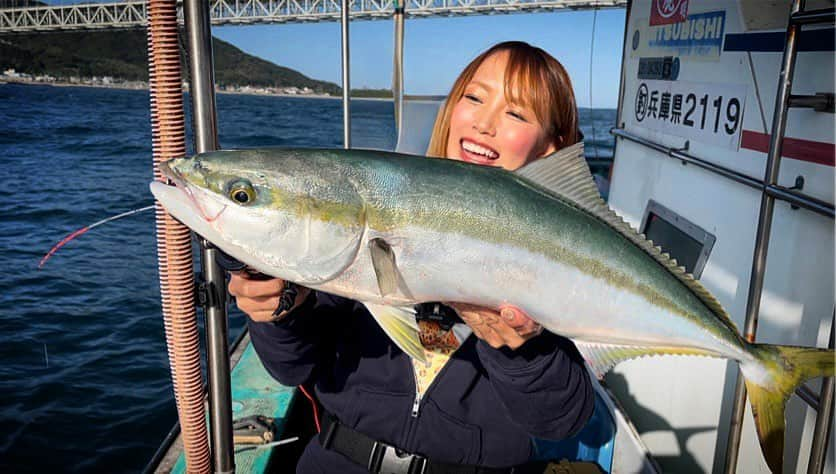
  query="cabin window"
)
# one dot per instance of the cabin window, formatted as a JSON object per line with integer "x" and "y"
{"x": 685, "y": 241}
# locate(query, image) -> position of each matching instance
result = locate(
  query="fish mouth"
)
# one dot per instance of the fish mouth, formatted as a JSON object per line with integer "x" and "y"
{"x": 478, "y": 153}
{"x": 176, "y": 180}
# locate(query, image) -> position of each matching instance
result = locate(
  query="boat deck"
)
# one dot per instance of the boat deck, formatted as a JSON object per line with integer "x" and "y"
{"x": 254, "y": 392}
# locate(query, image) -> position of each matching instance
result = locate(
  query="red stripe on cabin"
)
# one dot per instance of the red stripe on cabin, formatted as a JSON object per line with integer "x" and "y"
{"x": 822, "y": 153}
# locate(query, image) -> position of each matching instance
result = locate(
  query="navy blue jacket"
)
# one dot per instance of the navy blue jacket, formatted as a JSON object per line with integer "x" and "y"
{"x": 482, "y": 408}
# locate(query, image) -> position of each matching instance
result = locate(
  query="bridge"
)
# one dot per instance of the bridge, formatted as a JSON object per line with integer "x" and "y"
{"x": 132, "y": 13}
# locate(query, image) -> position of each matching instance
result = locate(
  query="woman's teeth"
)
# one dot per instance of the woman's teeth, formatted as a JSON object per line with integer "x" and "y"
{"x": 479, "y": 150}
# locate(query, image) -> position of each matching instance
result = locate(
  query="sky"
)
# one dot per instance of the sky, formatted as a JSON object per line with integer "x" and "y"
{"x": 437, "y": 49}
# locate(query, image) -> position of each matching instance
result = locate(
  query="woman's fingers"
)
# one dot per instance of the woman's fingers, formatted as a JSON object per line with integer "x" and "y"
{"x": 258, "y": 309}
{"x": 251, "y": 305}
{"x": 516, "y": 318}
{"x": 508, "y": 327}
{"x": 241, "y": 286}
{"x": 259, "y": 299}
{"x": 513, "y": 316}
{"x": 481, "y": 325}
{"x": 472, "y": 319}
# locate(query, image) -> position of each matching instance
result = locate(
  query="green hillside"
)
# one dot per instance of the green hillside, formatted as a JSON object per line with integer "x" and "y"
{"x": 122, "y": 55}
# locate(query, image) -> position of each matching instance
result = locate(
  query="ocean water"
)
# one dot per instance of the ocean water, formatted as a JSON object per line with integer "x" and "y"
{"x": 84, "y": 381}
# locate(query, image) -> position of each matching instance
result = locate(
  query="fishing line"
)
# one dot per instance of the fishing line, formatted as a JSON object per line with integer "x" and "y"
{"x": 83, "y": 230}
{"x": 591, "y": 55}
{"x": 267, "y": 445}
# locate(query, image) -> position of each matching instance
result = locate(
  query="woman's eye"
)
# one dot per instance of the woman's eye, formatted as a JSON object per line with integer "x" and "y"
{"x": 517, "y": 115}
{"x": 473, "y": 98}
{"x": 242, "y": 192}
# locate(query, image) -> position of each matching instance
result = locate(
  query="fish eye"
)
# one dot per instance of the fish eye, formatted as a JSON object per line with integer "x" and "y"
{"x": 242, "y": 192}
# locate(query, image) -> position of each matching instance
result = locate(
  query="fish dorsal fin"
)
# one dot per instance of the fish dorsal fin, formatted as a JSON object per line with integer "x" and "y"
{"x": 399, "y": 324}
{"x": 566, "y": 174}
{"x": 601, "y": 357}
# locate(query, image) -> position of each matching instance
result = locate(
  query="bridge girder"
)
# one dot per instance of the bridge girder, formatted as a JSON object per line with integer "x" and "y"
{"x": 132, "y": 13}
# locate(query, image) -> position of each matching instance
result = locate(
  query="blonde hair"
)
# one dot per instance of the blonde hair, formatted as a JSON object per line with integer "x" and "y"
{"x": 534, "y": 79}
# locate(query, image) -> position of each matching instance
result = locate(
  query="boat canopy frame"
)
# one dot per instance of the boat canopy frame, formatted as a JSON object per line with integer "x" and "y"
{"x": 127, "y": 14}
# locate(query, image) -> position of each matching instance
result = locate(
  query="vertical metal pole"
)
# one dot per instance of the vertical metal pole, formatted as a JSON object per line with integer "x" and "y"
{"x": 201, "y": 67}
{"x": 821, "y": 434}
{"x": 621, "y": 83}
{"x": 773, "y": 161}
{"x": 397, "y": 66}
{"x": 196, "y": 13}
{"x": 346, "y": 67}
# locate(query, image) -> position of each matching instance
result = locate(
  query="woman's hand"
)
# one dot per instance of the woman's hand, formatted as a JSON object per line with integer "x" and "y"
{"x": 260, "y": 298}
{"x": 510, "y": 326}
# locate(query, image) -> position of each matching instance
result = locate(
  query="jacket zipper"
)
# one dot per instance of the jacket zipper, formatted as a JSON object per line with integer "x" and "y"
{"x": 416, "y": 404}
{"x": 419, "y": 398}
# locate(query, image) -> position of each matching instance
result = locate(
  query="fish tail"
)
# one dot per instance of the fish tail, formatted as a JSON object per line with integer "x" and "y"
{"x": 770, "y": 380}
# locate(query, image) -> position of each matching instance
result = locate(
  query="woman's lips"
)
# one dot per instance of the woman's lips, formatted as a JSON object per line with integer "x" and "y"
{"x": 477, "y": 158}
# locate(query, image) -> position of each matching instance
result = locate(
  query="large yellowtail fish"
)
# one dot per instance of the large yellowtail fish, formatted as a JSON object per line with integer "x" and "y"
{"x": 394, "y": 230}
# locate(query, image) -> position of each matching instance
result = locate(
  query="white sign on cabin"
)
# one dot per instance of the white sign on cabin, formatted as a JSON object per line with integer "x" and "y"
{"x": 703, "y": 112}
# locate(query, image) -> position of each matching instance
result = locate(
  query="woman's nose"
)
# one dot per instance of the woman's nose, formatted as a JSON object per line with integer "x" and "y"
{"x": 485, "y": 123}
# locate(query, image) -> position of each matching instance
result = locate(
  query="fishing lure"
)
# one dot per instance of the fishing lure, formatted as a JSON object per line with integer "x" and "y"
{"x": 83, "y": 230}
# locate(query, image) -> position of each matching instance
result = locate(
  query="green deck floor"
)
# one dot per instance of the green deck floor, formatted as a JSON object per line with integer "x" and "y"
{"x": 254, "y": 392}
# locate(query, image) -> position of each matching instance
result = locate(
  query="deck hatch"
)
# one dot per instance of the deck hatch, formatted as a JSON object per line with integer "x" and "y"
{"x": 685, "y": 241}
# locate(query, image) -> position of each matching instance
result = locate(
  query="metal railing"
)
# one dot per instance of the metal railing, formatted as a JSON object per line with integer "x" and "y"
{"x": 770, "y": 192}
{"x": 132, "y": 14}
{"x": 777, "y": 191}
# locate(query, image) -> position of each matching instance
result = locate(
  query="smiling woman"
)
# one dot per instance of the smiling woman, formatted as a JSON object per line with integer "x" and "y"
{"x": 512, "y": 104}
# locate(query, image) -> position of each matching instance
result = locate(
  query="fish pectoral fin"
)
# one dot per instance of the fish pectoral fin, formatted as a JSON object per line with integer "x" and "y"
{"x": 385, "y": 268}
{"x": 399, "y": 324}
{"x": 601, "y": 357}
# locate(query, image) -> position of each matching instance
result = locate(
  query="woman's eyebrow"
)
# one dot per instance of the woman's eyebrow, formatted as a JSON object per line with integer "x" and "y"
{"x": 481, "y": 84}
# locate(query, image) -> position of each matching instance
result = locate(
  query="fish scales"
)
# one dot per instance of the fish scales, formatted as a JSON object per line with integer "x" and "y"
{"x": 498, "y": 208}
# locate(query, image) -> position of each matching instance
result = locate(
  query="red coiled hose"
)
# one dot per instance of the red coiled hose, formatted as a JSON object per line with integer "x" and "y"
{"x": 174, "y": 239}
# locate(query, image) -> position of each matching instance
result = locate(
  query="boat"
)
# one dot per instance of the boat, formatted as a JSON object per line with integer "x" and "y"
{"x": 725, "y": 158}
